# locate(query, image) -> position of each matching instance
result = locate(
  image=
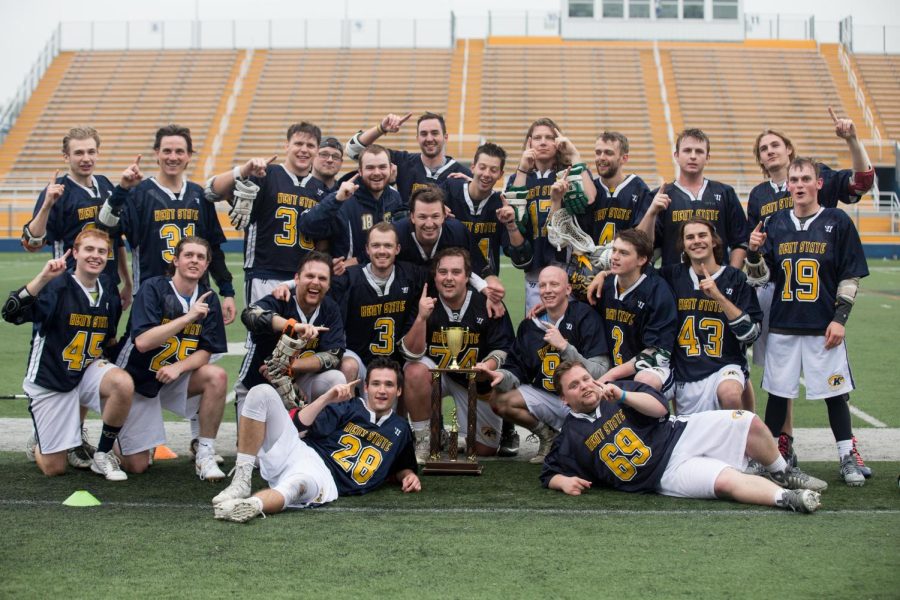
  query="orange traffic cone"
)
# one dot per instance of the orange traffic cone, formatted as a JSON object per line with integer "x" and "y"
{"x": 163, "y": 453}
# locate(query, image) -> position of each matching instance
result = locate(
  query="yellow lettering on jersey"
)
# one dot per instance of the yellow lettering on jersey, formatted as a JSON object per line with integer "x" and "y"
{"x": 707, "y": 305}
{"x": 354, "y": 429}
{"x": 164, "y": 214}
{"x": 188, "y": 214}
{"x": 543, "y": 350}
{"x": 395, "y": 306}
{"x": 295, "y": 200}
{"x": 622, "y": 316}
{"x": 687, "y": 303}
{"x": 370, "y": 310}
{"x": 617, "y": 212}
{"x": 710, "y": 214}
{"x": 813, "y": 247}
{"x": 88, "y": 212}
{"x": 482, "y": 228}
{"x": 787, "y": 247}
{"x": 600, "y": 215}
{"x": 608, "y": 427}
{"x": 100, "y": 322}
{"x": 380, "y": 441}
{"x": 80, "y": 320}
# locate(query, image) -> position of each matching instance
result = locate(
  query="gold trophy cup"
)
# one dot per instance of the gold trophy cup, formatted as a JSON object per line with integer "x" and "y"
{"x": 455, "y": 341}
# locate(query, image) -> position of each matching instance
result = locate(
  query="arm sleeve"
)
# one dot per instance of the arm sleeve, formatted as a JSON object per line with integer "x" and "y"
{"x": 320, "y": 221}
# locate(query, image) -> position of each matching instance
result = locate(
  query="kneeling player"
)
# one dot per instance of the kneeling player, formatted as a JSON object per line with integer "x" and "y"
{"x": 176, "y": 325}
{"x": 619, "y": 435}
{"x": 718, "y": 316}
{"x": 75, "y": 316}
{"x": 349, "y": 446}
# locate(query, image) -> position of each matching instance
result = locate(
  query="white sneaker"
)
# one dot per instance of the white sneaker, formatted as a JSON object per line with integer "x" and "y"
{"x": 30, "y": 446}
{"x": 207, "y": 469}
{"x": 239, "y": 510}
{"x": 192, "y": 451}
{"x": 107, "y": 464}
{"x": 422, "y": 446}
{"x": 239, "y": 488}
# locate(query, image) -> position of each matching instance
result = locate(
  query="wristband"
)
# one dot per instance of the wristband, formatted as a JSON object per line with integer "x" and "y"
{"x": 288, "y": 328}
{"x": 381, "y": 130}
{"x": 521, "y": 171}
{"x": 621, "y": 401}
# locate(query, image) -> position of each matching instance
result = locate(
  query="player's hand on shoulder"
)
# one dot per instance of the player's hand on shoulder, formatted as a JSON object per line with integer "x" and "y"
{"x": 338, "y": 266}
{"x": 282, "y": 292}
{"x": 495, "y": 308}
{"x": 536, "y": 311}
{"x": 132, "y": 175}
{"x": 595, "y": 288}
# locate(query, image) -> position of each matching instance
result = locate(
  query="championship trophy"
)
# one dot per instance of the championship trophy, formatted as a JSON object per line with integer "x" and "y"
{"x": 455, "y": 340}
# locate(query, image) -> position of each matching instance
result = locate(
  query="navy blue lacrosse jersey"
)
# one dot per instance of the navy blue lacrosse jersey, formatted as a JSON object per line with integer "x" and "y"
{"x": 643, "y": 316}
{"x": 376, "y": 319}
{"x": 154, "y": 220}
{"x": 74, "y": 211}
{"x": 807, "y": 261}
{"x": 480, "y": 219}
{"x": 273, "y": 245}
{"x": 157, "y": 303}
{"x": 615, "y": 446}
{"x": 705, "y": 340}
{"x": 360, "y": 450}
{"x": 347, "y": 223}
{"x": 70, "y": 330}
{"x": 413, "y": 174}
{"x": 537, "y": 210}
{"x": 485, "y": 334}
{"x": 533, "y": 361}
{"x": 263, "y": 342}
{"x": 615, "y": 209}
{"x": 716, "y": 202}
{"x": 767, "y": 198}
{"x": 453, "y": 235}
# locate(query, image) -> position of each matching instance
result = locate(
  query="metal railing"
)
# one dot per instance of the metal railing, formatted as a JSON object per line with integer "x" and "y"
{"x": 860, "y": 96}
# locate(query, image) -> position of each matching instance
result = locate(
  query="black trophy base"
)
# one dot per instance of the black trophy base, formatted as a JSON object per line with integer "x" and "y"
{"x": 451, "y": 467}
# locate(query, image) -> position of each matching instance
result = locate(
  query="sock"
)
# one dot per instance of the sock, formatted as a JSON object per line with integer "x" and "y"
{"x": 839, "y": 417}
{"x": 776, "y": 412}
{"x": 243, "y": 459}
{"x": 108, "y": 437}
{"x": 257, "y": 501}
{"x": 778, "y": 466}
{"x": 205, "y": 446}
{"x": 779, "y": 497}
{"x": 195, "y": 427}
{"x": 419, "y": 426}
{"x": 844, "y": 447}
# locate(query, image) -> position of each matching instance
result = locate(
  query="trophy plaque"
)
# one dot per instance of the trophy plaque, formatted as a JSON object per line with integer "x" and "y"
{"x": 455, "y": 340}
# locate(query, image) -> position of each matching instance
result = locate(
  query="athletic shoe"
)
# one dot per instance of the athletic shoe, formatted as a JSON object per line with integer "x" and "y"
{"x": 866, "y": 471}
{"x": 192, "y": 451}
{"x": 509, "y": 441}
{"x": 80, "y": 457}
{"x": 545, "y": 436}
{"x": 786, "y": 448}
{"x": 107, "y": 464}
{"x": 851, "y": 473}
{"x": 239, "y": 488}
{"x": 30, "y": 447}
{"x": 207, "y": 469}
{"x": 755, "y": 468}
{"x": 422, "y": 446}
{"x": 793, "y": 478}
{"x": 239, "y": 510}
{"x": 802, "y": 501}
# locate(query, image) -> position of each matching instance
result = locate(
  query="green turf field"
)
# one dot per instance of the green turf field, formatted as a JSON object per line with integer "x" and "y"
{"x": 497, "y": 536}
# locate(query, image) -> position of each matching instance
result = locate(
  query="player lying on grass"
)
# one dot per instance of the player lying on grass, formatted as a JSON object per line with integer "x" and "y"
{"x": 346, "y": 446}
{"x": 620, "y": 435}
{"x": 75, "y": 315}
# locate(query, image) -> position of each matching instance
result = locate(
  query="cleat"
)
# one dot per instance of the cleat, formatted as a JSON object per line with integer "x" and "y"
{"x": 850, "y": 472}
{"x": 545, "y": 436}
{"x": 755, "y": 468}
{"x": 786, "y": 448}
{"x": 107, "y": 464}
{"x": 793, "y": 478}
{"x": 509, "y": 441}
{"x": 422, "y": 446}
{"x": 80, "y": 457}
{"x": 239, "y": 488}
{"x": 207, "y": 469}
{"x": 866, "y": 471}
{"x": 238, "y": 510}
{"x": 30, "y": 447}
{"x": 192, "y": 451}
{"x": 802, "y": 501}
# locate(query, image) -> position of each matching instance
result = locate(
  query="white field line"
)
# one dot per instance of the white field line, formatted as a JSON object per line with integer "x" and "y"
{"x": 750, "y": 510}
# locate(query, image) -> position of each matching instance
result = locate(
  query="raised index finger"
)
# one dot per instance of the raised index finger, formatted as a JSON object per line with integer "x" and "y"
{"x": 556, "y": 132}
{"x": 833, "y": 116}
{"x": 137, "y": 160}
{"x": 705, "y": 272}
{"x": 55, "y": 177}
{"x": 405, "y": 118}
{"x": 204, "y": 296}
{"x": 758, "y": 227}
{"x": 271, "y": 160}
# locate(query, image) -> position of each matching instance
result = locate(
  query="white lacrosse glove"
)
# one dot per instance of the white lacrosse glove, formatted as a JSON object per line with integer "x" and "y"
{"x": 244, "y": 194}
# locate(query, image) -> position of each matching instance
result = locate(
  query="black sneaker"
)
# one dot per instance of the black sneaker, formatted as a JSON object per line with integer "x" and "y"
{"x": 509, "y": 441}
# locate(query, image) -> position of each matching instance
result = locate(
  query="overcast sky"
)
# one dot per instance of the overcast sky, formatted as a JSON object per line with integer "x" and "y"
{"x": 30, "y": 24}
